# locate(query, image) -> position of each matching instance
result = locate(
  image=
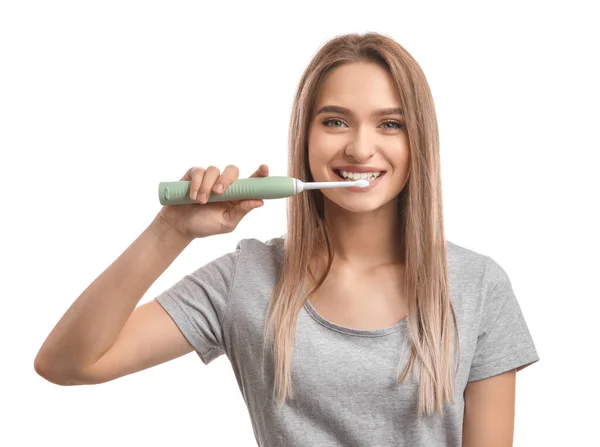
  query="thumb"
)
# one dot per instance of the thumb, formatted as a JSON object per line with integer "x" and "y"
{"x": 240, "y": 209}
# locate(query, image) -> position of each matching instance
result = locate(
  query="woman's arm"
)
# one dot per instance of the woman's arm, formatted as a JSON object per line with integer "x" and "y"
{"x": 490, "y": 411}
{"x": 102, "y": 315}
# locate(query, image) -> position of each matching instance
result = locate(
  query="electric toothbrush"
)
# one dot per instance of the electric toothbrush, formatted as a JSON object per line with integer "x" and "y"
{"x": 178, "y": 193}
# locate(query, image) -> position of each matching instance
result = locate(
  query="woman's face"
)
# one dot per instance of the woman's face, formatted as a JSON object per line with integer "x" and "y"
{"x": 355, "y": 132}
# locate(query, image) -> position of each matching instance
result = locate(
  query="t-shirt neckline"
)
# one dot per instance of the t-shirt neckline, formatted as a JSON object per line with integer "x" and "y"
{"x": 353, "y": 331}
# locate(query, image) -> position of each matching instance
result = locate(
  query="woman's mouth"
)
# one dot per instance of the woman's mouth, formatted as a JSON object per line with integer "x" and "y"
{"x": 373, "y": 177}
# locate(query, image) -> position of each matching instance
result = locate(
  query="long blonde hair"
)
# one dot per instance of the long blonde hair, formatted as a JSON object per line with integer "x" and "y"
{"x": 430, "y": 311}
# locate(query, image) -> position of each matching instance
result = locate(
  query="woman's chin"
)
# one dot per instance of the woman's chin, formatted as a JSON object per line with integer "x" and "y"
{"x": 354, "y": 205}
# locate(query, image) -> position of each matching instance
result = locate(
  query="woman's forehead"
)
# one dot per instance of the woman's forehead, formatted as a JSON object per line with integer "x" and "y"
{"x": 365, "y": 87}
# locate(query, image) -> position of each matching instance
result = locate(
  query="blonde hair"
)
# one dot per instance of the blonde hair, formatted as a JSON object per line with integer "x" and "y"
{"x": 430, "y": 311}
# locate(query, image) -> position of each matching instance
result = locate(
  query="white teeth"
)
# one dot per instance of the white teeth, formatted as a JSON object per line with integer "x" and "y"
{"x": 362, "y": 175}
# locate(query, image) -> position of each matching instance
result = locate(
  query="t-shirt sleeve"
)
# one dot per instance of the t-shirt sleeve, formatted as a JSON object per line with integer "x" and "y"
{"x": 504, "y": 342}
{"x": 198, "y": 302}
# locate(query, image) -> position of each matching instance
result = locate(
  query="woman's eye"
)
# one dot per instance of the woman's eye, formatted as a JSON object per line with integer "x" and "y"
{"x": 329, "y": 121}
{"x": 337, "y": 123}
{"x": 396, "y": 124}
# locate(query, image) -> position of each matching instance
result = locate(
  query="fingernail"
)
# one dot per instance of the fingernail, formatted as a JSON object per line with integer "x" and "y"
{"x": 203, "y": 197}
{"x": 219, "y": 187}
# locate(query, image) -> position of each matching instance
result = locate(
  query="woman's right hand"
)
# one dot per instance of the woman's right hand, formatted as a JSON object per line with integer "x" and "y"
{"x": 203, "y": 219}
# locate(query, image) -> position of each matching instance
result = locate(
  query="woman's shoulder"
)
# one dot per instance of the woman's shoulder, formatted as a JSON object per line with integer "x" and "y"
{"x": 257, "y": 248}
{"x": 255, "y": 255}
{"x": 475, "y": 276}
{"x": 466, "y": 262}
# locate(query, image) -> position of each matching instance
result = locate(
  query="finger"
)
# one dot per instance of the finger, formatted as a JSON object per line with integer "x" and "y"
{"x": 190, "y": 173}
{"x": 208, "y": 182}
{"x": 262, "y": 171}
{"x": 229, "y": 175}
{"x": 238, "y": 211}
{"x": 194, "y": 176}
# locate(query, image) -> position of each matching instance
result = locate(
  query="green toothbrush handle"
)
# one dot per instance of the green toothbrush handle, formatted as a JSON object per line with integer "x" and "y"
{"x": 178, "y": 193}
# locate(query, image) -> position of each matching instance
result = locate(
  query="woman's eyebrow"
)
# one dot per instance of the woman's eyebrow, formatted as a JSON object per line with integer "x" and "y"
{"x": 345, "y": 111}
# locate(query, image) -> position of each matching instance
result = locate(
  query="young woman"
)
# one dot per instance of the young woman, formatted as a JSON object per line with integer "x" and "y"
{"x": 362, "y": 325}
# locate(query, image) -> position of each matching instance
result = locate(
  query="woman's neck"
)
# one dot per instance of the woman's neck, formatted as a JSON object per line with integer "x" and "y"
{"x": 365, "y": 240}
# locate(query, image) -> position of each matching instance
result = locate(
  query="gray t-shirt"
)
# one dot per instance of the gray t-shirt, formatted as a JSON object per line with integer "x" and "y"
{"x": 344, "y": 378}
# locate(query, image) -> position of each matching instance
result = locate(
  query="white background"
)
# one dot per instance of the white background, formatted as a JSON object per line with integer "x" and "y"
{"x": 99, "y": 101}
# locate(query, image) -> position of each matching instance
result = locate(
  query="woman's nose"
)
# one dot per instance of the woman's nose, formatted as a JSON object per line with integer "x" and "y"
{"x": 361, "y": 147}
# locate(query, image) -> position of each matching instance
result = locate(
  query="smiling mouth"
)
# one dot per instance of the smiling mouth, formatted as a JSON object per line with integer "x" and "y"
{"x": 353, "y": 176}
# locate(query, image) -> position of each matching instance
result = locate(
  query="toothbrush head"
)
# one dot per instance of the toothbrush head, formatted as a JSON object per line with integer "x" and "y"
{"x": 362, "y": 183}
